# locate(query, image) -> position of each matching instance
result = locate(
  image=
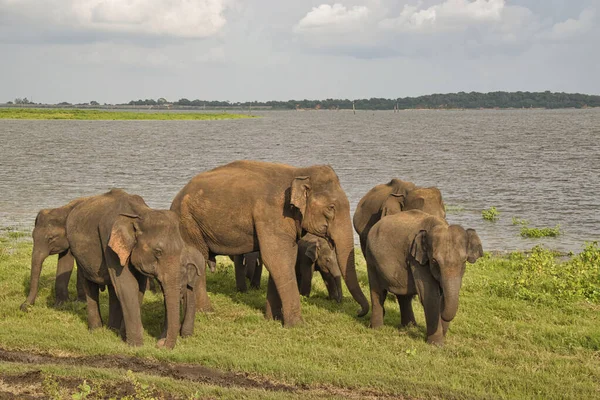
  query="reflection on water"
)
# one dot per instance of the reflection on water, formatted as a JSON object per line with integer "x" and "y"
{"x": 538, "y": 165}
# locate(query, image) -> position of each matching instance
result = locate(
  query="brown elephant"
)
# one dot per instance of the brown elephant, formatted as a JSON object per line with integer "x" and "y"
{"x": 317, "y": 254}
{"x": 392, "y": 197}
{"x": 118, "y": 241}
{"x": 248, "y": 266}
{"x": 413, "y": 252}
{"x": 248, "y": 206}
{"x": 49, "y": 238}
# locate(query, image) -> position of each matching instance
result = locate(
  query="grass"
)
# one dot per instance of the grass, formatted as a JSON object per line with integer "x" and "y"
{"x": 49, "y": 113}
{"x": 491, "y": 214}
{"x": 528, "y": 232}
{"x": 499, "y": 346}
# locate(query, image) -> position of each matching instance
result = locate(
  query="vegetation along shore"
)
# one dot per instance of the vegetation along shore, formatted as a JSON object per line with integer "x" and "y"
{"x": 529, "y": 327}
{"x": 48, "y": 113}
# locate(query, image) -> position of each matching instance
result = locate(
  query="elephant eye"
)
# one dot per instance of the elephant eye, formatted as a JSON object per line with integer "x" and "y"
{"x": 158, "y": 252}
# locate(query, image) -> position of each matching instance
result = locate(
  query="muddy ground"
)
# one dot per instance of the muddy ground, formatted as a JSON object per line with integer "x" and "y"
{"x": 31, "y": 385}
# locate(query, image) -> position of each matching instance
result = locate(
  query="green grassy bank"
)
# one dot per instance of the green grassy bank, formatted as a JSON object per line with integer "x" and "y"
{"x": 63, "y": 113}
{"x": 510, "y": 339}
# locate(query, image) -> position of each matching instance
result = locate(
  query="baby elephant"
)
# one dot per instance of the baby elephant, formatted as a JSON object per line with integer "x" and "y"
{"x": 417, "y": 253}
{"x": 50, "y": 237}
{"x": 317, "y": 254}
{"x": 249, "y": 266}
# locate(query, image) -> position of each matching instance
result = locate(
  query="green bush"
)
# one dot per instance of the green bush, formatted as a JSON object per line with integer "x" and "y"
{"x": 490, "y": 214}
{"x": 540, "y": 277}
{"x": 540, "y": 232}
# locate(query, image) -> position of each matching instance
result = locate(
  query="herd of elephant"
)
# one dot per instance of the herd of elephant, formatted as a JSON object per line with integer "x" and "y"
{"x": 293, "y": 220}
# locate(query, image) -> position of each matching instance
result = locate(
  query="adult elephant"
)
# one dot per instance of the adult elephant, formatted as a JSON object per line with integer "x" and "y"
{"x": 317, "y": 254}
{"x": 248, "y": 206}
{"x": 49, "y": 238}
{"x": 119, "y": 241}
{"x": 412, "y": 253}
{"x": 389, "y": 198}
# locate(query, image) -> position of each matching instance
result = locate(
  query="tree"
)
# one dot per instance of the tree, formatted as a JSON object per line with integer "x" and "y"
{"x": 94, "y": 103}
{"x": 162, "y": 101}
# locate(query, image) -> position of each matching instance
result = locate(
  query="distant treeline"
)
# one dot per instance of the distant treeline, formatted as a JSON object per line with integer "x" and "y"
{"x": 434, "y": 101}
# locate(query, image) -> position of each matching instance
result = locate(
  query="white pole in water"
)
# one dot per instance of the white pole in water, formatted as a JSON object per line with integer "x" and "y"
{"x": 353, "y": 108}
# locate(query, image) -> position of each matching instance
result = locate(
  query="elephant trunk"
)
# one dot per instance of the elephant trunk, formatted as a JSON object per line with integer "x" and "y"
{"x": 344, "y": 250}
{"x": 338, "y": 287}
{"x": 171, "y": 286}
{"x": 37, "y": 259}
{"x": 189, "y": 309}
{"x": 451, "y": 288}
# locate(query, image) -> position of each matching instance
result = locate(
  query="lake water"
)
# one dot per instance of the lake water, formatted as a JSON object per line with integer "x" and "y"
{"x": 540, "y": 165}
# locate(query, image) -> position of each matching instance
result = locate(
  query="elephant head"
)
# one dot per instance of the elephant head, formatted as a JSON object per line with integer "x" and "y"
{"x": 428, "y": 200}
{"x": 325, "y": 212}
{"x": 444, "y": 250}
{"x": 316, "y": 252}
{"x": 151, "y": 243}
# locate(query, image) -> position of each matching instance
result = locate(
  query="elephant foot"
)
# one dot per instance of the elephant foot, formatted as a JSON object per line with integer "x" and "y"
{"x": 242, "y": 289}
{"x": 26, "y": 307}
{"x": 405, "y": 324}
{"x": 186, "y": 332}
{"x": 135, "y": 343}
{"x": 436, "y": 340}
{"x": 291, "y": 323}
{"x": 162, "y": 343}
{"x": 255, "y": 287}
{"x": 81, "y": 298}
{"x": 375, "y": 325}
{"x": 204, "y": 309}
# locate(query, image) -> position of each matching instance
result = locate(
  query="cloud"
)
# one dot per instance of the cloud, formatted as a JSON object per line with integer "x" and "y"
{"x": 336, "y": 18}
{"x": 449, "y": 15}
{"x": 174, "y": 18}
{"x": 571, "y": 27}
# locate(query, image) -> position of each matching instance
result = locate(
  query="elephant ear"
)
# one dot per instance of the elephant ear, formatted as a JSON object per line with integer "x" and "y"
{"x": 312, "y": 251}
{"x": 418, "y": 249}
{"x": 393, "y": 204}
{"x": 474, "y": 248}
{"x": 299, "y": 192}
{"x": 193, "y": 263}
{"x": 417, "y": 203}
{"x": 122, "y": 237}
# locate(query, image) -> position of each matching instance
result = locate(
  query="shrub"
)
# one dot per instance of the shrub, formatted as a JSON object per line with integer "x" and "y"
{"x": 490, "y": 214}
{"x": 540, "y": 232}
{"x": 539, "y": 277}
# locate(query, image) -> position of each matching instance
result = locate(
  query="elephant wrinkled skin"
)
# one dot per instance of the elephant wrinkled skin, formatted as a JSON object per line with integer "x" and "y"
{"x": 119, "y": 241}
{"x": 411, "y": 253}
{"x": 392, "y": 197}
{"x": 317, "y": 254}
{"x": 248, "y": 206}
{"x": 50, "y": 237}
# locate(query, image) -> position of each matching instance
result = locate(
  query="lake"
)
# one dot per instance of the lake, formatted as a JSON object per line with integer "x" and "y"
{"x": 539, "y": 165}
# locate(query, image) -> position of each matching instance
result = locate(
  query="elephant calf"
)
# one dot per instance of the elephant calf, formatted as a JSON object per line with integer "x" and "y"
{"x": 50, "y": 237}
{"x": 249, "y": 266}
{"x": 413, "y": 252}
{"x": 317, "y": 254}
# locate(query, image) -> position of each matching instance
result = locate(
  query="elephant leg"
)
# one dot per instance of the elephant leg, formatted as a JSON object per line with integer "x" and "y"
{"x": 202, "y": 300}
{"x": 257, "y": 275}
{"x": 273, "y": 310}
{"x": 377, "y": 299}
{"x": 240, "y": 273}
{"x": 189, "y": 307}
{"x": 429, "y": 294}
{"x": 80, "y": 289}
{"x": 127, "y": 290}
{"x": 63, "y": 274}
{"x": 305, "y": 284}
{"x": 407, "y": 316}
{"x": 115, "y": 314}
{"x": 92, "y": 294}
{"x": 278, "y": 253}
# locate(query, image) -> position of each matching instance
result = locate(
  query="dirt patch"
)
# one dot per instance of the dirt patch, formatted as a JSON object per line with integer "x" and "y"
{"x": 179, "y": 371}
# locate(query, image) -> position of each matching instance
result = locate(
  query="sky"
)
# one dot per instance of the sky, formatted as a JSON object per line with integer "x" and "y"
{"x": 113, "y": 51}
